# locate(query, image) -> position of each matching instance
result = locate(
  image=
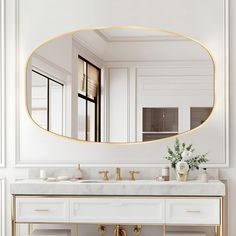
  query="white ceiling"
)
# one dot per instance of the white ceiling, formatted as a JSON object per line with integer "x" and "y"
{"x": 132, "y": 35}
{"x": 123, "y": 44}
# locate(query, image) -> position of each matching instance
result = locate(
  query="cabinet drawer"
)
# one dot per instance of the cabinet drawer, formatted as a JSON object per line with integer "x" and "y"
{"x": 193, "y": 211}
{"x": 42, "y": 210}
{"x": 117, "y": 210}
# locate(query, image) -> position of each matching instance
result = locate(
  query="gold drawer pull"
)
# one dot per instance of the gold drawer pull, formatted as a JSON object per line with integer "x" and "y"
{"x": 41, "y": 210}
{"x": 193, "y": 211}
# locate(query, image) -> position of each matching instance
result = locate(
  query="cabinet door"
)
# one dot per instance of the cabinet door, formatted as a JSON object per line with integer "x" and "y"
{"x": 193, "y": 211}
{"x": 117, "y": 210}
{"x": 159, "y": 122}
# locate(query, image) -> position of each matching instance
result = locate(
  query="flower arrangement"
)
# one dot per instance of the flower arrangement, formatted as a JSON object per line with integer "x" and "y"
{"x": 183, "y": 159}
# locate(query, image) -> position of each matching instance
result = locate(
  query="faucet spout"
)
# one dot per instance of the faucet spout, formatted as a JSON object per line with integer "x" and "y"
{"x": 118, "y": 174}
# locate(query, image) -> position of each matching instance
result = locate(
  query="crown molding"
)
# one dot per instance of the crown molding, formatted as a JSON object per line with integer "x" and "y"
{"x": 143, "y": 39}
{"x": 2, "y": 82}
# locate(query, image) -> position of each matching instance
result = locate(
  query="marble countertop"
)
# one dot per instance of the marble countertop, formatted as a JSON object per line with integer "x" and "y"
{"x": 139, "y": 188}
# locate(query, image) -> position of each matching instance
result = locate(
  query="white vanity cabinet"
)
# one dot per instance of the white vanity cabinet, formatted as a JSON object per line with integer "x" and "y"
{"x": 119, "y": 210}
{"x": 140, "y": 202}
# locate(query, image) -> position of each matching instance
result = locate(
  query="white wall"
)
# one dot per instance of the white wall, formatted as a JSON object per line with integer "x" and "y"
{"x": 53, "y": 50}
{"x": 10, "y": 172}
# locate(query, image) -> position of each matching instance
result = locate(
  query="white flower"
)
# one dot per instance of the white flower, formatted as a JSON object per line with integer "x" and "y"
{"x": 182, "y": 167}
{"x": 186, "y": 155}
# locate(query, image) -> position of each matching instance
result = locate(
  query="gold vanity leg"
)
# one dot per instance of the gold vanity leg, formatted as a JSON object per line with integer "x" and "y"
{"x": 75, "y": 229}
{"x": 13, "y": 214}
{"x": 216, "y": 230}
{"x": 164, "y": 230}
{"x": 30, "y": 228}
{"x": 221, "y": 228}
{"x": 13, "y": 228}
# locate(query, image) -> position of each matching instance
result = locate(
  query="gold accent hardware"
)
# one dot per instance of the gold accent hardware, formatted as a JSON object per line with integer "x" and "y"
{"x": 116, "y": 231}
{"x": 216, "y": 231}
{"x": 119, "y": 231}
{"x": 137, "y": 229}
{"x": 30, "y": 228}
{"x": 75, "y": 229}
{"x": 105, "y": 174}
{"x": 101, "y": 229}
{"x": 181, "y": 177}
{"x": 41, "y": 210}
{"x": 193, "y": 211}
{"x": 118, "y": 174}
{"x": 164, "y": 230}
{"x": 132, "y": 174}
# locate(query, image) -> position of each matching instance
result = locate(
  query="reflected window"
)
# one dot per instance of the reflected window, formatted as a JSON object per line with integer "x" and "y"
{"x": 47, "y": 102}
{"x": 88, "y": 101}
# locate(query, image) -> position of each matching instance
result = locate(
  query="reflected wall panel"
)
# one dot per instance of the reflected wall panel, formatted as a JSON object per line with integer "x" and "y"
{"x": 118, "y": 105}
{"x": 2, "y": 83}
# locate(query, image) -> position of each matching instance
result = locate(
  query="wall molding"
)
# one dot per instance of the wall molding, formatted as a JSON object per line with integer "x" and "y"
{"x": 17, "y": 83}
{"x": 226, "y": 71}
{"x": 113, "y": 39}
{"x": 86, "y": 53}
{"x": 170, "y": 64}
{"x": 2, "y": 82}
{"x": 3, "y": 208}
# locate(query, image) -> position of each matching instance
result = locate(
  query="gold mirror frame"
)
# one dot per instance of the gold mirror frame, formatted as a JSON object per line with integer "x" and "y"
{"x": 124, "y": 27}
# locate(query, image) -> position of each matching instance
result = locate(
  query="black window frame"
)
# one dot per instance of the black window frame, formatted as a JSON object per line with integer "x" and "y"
{"x": 96, "y": 101}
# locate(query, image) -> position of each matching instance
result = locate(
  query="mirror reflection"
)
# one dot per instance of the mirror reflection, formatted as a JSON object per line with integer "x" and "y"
{"x": 120, "y": 85}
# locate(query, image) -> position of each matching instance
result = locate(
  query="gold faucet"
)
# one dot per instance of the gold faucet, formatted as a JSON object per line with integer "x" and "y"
{"x": 105, "y": 174}
{"x": 132, "y": 174}
{"x": 118, "y": 174}
{"x": 119, "y": 231}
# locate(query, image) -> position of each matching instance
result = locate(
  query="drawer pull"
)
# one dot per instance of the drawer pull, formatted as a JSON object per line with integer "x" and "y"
{"x": 41, "y": 210}
{"x": 193, "y": 211}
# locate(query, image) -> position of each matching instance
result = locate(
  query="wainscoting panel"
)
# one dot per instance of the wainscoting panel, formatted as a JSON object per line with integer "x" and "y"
{"x": 118, "y": 105}
{"x": 2, "y": 83}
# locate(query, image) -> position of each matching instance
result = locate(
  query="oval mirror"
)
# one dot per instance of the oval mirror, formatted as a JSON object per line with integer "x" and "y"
{"x": 120, "y": 85}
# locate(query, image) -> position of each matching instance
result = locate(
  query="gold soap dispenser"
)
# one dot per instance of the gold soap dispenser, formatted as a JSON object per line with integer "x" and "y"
{"x": 78, "y": 173}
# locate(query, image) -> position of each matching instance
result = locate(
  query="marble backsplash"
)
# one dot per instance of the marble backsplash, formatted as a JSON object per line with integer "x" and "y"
{"x": 93, "y": 172}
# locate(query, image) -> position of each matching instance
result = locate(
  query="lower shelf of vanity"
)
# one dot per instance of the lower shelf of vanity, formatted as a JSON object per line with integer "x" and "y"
{"x": 118, "y": 210}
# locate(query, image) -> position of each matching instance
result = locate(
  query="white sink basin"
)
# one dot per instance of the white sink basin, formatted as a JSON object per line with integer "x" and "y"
{"x": 94, "y": 181}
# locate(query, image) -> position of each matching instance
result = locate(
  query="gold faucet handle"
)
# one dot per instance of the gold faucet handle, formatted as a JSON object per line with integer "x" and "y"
{"x": 132, "y": 174}
{"x": 105, "y": 174}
